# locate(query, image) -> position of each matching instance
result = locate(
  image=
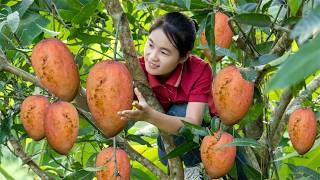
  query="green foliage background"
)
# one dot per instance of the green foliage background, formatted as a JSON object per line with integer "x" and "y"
{"x": 88, "y": 30}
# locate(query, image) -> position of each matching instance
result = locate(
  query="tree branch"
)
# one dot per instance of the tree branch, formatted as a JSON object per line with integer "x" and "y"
{"x": 26, "y": 159}
{"x": 282, "y": 45}
{"x": 127, "y": 45}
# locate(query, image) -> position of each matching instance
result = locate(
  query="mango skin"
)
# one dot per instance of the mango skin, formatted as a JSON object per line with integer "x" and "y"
{"x": 109, "y": 90}
{"x": 217, "y": 160}
{"x": 56, "y": 69}
{"x": 61, "y": 126}
{"x": 105, "y": 158}
{"x": 32, "y": 114}
{"x": 222, "y": 34}
{"x": 302, "y": 128}
{"x": 232, "y": 95}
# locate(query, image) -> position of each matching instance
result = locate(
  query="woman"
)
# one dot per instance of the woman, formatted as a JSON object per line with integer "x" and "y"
{"x": 180, "y": 81}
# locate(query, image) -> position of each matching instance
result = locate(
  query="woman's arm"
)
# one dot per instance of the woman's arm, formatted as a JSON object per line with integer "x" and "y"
{"x": 170, "y": 124}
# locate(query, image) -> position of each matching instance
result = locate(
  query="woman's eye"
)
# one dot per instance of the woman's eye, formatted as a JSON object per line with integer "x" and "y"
{"x": 164, "y": 52}
{"x": 151, "y": 45}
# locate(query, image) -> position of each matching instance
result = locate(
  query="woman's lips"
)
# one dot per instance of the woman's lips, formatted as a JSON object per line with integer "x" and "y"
{"x": 153, "y": 65}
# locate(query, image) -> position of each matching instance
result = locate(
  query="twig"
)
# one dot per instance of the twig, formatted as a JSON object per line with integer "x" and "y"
{"x": 18, "y": 150}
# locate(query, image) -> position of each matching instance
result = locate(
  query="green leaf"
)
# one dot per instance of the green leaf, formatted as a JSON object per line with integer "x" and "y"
{"x": 195, "y": 129}
{"x": 186, "y": 133}
{"x": 255, "y": 19}
{"x": 24, "y": 6}
{"x": 294, "y": 6}
{"x": 181, "y": 149}
{"x": 304, "y": 171}
{"x": 67, "y": 15}
{"x": 206, "y": 113}
{"x": 251, "y": 172}
{"x": 28, "y": 30}
{"x": 297, "y": 66}
{"x": 244, "y": 142}
{"x": 13, "y": 21}
{"x": 307, "y": 26}
{"x": 249, "y": 74}
{"x": 88, "y": 39}
{"x": 74, "y": 5}
{"x": 139, "y": 174}
{"x": 5, "y": 128}
{"x": 2, "y": 24}
{"x": 91, "y": 160}
{"x": 86, "y": 12}
{"x": 93, "y": 169}
{"x": 215, "y": 124}
{"x": 248, "y": 7}
{"x": 49, "y": 32}
{"x": 80, "y": 175}
{"x": 253, "y": 114}
{"x": 99, "y": 137}
{"x": 225, "y": 52}
{"x": 2, "y": 86}
{"x": 264, "y": 59}
{"x": 266, "y": 6}
{"x": 19, "y": 127}
{"x": 187, "y": 3}
{"x": 138, "y": 139}
{"x": 318, "y": 116}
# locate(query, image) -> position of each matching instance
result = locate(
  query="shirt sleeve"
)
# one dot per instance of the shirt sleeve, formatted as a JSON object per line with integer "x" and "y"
{"x": 202, "y": 87}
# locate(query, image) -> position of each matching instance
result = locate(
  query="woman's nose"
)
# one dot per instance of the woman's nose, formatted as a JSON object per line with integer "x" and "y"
{"x": 153, "y": 55}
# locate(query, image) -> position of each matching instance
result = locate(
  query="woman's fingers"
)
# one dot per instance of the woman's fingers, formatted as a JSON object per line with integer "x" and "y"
{"x": 129, "y": 114}
{"x": 139, "y": 95}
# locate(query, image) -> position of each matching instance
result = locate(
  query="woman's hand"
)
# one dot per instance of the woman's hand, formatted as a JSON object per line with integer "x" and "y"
{"x": 142, "y": 112}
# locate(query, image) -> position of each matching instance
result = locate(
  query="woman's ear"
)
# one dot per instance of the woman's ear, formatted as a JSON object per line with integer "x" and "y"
{"x": 186, "y": 57}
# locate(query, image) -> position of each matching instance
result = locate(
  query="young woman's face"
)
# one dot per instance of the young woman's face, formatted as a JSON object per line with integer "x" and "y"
{"x": 160, "y": 56}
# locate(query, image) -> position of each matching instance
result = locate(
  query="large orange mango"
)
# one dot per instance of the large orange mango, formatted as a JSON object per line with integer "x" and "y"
{"x": 32, "y": 113}
{"x": 302, "y": 127}
{"x": 109, "y": 90}
{"x": 54, "y": 65}
{"x": 61, "y": 126}
{"x": 105, "y": 158}
{"x": 217, "y": 160}
{"x": 232, "y": 95}
{"x": 222, "y": 34}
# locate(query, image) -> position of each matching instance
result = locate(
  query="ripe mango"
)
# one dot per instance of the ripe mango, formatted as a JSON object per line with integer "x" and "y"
{"x": 105, "y": 158}
{"x": 109, "y": 90}
{"x": 32, "y": 114}
{"x": 302, "y": 127}
{"x": 222, "y": 34}
{"x": 56, "y": 69}
{"x": 232, "y": 95}
{"x": 61, "y": 126}
{"x": 217, "y": 160}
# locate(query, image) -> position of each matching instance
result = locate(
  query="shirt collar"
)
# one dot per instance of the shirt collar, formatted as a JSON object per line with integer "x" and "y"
{"x": 174, "y": 79}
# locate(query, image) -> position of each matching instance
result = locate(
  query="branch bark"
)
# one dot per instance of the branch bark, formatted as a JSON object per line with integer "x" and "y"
{"x": 118, "y": 16}
{"x": 81, "y": 103}
{"x": 26, "y": 159}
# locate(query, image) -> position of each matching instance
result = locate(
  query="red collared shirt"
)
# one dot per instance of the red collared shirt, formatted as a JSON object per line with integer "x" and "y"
{"x": 189, "y": 82}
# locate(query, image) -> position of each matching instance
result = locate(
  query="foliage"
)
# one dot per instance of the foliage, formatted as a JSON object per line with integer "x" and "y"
{"x": 88, "y": 30}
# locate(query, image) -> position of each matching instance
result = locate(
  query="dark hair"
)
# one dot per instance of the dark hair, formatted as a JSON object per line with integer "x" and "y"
{"x": 180, "y": 30}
